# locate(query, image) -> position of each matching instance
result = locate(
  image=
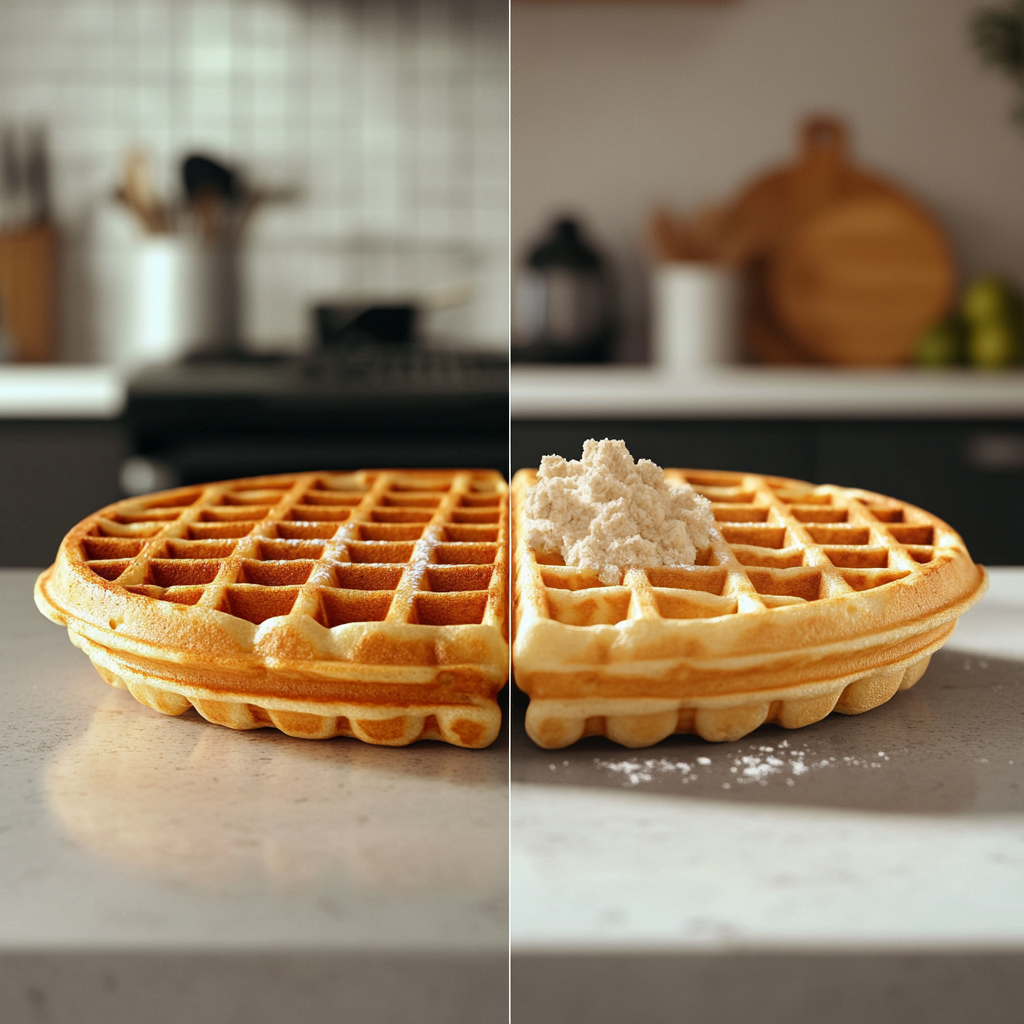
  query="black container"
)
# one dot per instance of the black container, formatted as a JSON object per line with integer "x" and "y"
{"x": 563, "y": 302}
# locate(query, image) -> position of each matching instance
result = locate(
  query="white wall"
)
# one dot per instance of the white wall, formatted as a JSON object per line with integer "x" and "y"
{"x": 390, "y": 118}
{"x": 619, "y": 106}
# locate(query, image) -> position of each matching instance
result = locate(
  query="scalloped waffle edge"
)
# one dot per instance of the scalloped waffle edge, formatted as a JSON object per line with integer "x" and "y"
{"x": 736, "y": 642}
{"x": 640, "y": 723}
{"x": 383, "y": 724}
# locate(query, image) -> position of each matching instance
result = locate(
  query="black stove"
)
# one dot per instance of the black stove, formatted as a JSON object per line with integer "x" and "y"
{"x": 386, "y": 406}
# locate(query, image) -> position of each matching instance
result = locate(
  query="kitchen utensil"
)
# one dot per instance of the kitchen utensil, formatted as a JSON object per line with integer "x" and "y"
{"x": 769, "y": 209}
{"x": 687, "y": 239}
{"x": 764, "y": 222}
{"x": 139, "y": 194}
{"x": 203, "y": 176}
{"x": 759, "y": 221}
{"x": 24, "y": 175}
{"x": 214, "y": 193}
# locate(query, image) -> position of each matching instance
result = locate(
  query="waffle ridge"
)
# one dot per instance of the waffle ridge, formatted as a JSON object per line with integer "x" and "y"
{"x": 809, "y": 599}
{"x": 370, "y": 603}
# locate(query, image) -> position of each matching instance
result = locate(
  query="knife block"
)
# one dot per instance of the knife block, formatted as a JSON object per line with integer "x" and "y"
{"x": 28, "y": 273}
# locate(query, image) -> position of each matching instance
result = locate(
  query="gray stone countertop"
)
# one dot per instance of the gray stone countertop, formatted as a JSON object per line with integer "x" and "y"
{"x": 131, "y": 842}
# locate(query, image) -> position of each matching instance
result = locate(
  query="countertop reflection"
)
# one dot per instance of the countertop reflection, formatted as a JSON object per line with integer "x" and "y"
{"x": 181, "y": 800}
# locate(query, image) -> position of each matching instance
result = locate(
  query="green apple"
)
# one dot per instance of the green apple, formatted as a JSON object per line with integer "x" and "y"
{"x": 992, "y": 345}
{"x": 987, "y": 299}
{"x": 941, "y": 345}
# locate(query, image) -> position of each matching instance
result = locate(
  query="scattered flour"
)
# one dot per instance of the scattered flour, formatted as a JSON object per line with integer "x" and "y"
{"x": 607, "y": 513}
{"x": 756, "y": 765}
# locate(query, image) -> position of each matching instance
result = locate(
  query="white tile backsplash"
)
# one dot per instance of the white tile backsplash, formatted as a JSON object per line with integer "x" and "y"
{"x": 388, "y": 118}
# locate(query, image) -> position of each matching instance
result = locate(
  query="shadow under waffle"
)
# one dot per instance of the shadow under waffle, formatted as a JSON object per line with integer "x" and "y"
{"x": 951, "y": 744}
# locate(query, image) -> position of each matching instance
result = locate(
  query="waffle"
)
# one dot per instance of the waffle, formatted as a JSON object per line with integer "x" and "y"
{"x": 369, "y": 604}
{"x": 809, "y": 599}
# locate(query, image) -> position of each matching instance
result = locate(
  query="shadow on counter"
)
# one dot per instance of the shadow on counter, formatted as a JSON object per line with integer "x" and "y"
{"x": 949, "y": 745}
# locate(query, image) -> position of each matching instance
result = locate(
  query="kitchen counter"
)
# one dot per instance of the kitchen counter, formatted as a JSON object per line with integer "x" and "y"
{"x": 866, "y": 868}
{"x": 748, "y": 392}
{"x": 433, "y": 380}
{"x": 165, "y": 869}
{"x": 62, "y": 392}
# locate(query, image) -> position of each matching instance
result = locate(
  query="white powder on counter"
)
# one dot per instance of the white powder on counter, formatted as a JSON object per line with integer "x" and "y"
{"x": 756, "y": 764}
{"x": 607, "y": 513}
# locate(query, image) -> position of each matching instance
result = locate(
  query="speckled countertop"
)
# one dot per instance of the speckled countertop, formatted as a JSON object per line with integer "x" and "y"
{"x": 142, "y": 855}
{"x": 900, "y": 831}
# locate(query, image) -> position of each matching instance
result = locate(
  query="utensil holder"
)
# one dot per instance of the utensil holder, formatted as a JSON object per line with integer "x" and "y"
{"x": 696, "y": 317}
{"x": 163, "y": 298}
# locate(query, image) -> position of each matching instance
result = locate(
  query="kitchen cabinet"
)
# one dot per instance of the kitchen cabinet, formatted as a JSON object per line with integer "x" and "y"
{"x": 54, "y": 472}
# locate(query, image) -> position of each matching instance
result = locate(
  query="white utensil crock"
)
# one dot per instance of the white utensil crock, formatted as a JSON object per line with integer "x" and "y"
{"x": 161, "y": 298}
{"x": 696, "y": 317}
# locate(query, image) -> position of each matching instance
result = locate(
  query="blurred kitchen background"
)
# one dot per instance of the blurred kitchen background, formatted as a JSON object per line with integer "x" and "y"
{"x": 246, "y": 236}
{"x": 785, "y": 236}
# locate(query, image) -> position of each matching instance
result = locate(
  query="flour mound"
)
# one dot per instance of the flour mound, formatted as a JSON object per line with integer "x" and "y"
{"x": 607, "y": 513}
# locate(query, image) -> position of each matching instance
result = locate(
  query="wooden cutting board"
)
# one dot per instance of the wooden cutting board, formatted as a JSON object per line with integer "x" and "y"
{"x": 857, "y": 282}
{"x": 804, "y": 282}
{"x": 767, "y": 211}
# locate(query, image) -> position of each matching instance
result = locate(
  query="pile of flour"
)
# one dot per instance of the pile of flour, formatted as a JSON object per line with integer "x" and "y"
{"x": 607, "y": 513}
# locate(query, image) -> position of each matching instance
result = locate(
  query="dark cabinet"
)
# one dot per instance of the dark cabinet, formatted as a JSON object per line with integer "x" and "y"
{"x": 54, "y": 474}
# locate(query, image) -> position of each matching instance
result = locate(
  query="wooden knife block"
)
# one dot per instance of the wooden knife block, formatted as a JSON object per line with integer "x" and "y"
{"x": 28, "y": 307}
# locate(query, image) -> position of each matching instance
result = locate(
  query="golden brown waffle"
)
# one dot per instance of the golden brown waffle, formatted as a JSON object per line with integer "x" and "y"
{"x": 810, "y": 599}
{"x": 369, "y": 604}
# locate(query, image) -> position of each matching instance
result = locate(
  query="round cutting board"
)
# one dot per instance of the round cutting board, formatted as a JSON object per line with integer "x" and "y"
{"x": 858, "y": 281}
{"x": 768, "y": 210}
